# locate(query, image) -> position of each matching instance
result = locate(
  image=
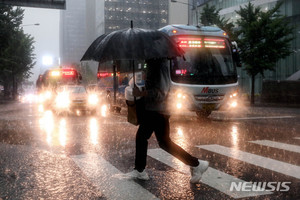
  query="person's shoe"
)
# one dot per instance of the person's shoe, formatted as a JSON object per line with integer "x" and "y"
{"x": 135, "y": 174}
{"x": 196, "y": 172}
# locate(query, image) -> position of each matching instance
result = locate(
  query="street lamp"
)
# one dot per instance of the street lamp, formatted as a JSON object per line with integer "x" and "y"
{"x": 194, "y": 7}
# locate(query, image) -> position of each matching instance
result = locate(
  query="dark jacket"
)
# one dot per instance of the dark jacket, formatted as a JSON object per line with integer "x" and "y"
{"x": 157, "y": 85}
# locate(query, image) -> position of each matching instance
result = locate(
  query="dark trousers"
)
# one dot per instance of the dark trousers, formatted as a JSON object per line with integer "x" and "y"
{"x": 159, "y": 124}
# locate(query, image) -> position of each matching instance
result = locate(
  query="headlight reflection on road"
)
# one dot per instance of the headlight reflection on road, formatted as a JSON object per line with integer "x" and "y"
{"x": 94, "y": 131}
{"x": 55, "y": 135}
{"x": 234, "y": 135}
{"x": 180, "y": 140}
{"x": 62, "y": 132}
{"x": 47, "y": 124}
{"x": 104, "y": 110}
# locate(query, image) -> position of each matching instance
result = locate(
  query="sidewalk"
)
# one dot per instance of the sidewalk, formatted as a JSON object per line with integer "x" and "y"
{"x": 258, "y": 111}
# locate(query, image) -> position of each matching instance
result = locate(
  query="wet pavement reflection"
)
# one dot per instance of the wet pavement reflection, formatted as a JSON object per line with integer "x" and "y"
{"x": 45, "y": 145}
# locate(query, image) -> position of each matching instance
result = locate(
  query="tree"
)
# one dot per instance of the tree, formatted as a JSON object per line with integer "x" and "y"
{"x": 16, "y": 49}
{"x": 210, "y": 17}
{"x": 264, "y": 38}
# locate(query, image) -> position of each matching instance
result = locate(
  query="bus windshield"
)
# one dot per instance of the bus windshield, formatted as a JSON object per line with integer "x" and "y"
{"x": 207, "y": 61}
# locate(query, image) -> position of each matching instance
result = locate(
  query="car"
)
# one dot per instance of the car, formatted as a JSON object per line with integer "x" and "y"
{"x": 74, "y": 99}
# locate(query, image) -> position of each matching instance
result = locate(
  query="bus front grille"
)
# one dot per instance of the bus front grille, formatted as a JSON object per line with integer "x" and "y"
{"x": 209, "y": 98}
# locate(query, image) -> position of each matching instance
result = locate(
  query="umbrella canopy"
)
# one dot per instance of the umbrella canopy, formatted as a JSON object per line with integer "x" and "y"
{"x": 132, "y": 44}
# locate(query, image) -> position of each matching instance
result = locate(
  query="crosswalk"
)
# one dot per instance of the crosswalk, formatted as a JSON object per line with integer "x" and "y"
{"x": 107, "y": 179}
{"x": 110, "y": 181}
{"x": 212, "y": 177}
{"x": 278, "y": 145}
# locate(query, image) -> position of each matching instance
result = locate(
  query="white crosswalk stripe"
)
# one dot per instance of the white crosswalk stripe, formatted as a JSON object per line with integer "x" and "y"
{"x": 298, "y": 138}
{"x": 278, "y": 145}
{"x": 212, "y": 177}
{"x": 268, "y": 163}
{"x": 103, "y": 176}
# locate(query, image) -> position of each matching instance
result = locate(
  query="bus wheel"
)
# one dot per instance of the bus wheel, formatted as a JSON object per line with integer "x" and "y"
{"x": 203, "y": 113}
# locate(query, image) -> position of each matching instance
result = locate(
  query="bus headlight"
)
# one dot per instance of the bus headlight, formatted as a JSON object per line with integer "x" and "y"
{"x": 62, "y": 100}
{"x": 234, "y": 94}
{"x": 93, "y": 99}
{"x": 180, "y": 97}
{"x": 233, "y": 104}
{"x": 179, "y": 105}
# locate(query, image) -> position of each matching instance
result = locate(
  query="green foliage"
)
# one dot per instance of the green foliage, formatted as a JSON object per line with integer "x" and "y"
{"x": 263, "y": 38}
{"x": 210, "y": 17}
{"x": 16, "y": 48}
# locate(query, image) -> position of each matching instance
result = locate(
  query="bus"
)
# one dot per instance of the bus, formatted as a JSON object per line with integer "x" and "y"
{"x": 205, "y": 78}
{"x": 59, "y": 76}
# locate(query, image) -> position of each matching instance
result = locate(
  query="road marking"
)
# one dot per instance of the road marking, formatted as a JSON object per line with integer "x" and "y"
{"x": 268, "y": 163}
{"x": 298, "y": 138}
{"x": 104, "y": 176}
{"x": 278, "y": 145}
{"x": 212, "y": 177}
{"x": 271, "y": 117}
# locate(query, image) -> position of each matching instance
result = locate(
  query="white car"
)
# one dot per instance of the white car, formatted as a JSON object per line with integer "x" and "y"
{"x": 75, "y": 99}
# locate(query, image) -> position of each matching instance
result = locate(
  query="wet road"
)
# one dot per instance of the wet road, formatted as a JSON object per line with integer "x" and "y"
{"x": 44, "y": 156}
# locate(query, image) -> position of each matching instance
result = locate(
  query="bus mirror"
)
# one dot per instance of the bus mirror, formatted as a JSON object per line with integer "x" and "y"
{"x": 235, "y": 54}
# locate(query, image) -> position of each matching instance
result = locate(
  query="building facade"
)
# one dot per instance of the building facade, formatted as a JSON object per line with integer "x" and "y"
{"x": 78, "y": 28}
{"x": 144, "y": 14}
{"x": 285, "y": 67}
{"x": 83, "y": 21}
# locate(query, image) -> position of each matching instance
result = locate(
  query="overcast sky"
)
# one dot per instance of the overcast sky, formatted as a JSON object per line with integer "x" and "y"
{"x": 46, "y": 35}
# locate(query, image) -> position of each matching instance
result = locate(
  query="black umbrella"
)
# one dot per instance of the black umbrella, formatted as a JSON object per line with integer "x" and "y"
{"x": 132, "y": 44}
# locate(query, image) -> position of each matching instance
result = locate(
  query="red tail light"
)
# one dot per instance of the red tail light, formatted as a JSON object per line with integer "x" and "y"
{"x": 190, "y": 42}
{"x": 67, "y": 72}
{"x": 102, "y": 74}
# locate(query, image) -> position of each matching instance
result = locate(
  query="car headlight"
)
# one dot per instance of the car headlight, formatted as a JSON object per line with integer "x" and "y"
{"x": 93, "y": 99}
{"x": 41, "y": 98}
{"x": 62, "y": 100}
{"x": 48, "y": 95}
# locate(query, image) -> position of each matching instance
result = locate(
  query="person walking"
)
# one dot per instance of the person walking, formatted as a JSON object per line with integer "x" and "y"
{"x": 156, "y": 119}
